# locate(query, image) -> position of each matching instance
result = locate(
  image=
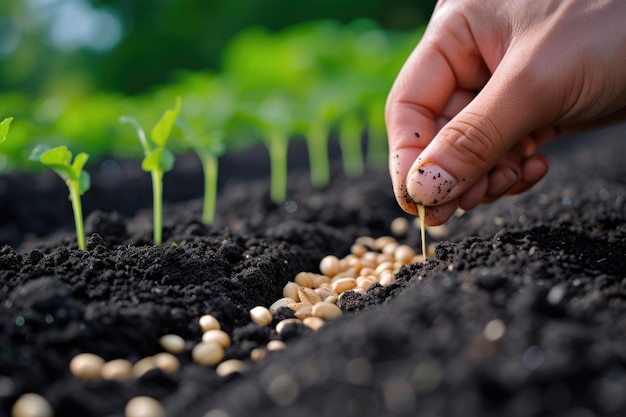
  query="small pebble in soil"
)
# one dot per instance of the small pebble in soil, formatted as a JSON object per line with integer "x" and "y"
{"x": 86, "y": 366}
{"x": 31, "y": 405}
{"x": 144, "y": 406}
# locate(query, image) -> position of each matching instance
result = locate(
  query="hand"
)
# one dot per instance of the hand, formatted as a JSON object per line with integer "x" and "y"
{"x": 491, "y": 81}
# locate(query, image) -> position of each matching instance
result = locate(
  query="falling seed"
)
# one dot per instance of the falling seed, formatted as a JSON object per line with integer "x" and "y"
{"x": 31, "y": 405}
{"x": 229, "y": 367}
{"x": 209, "y": 354}
{"x": 172, "y": 343}
{"x": 144, "y": 406}
{"x": 117, "y": 370}
{"x": 218, "y": 336}
{"x": 209, "y": 322}
{"x": 261, "y": 315}
{"x": 86, "y": 366}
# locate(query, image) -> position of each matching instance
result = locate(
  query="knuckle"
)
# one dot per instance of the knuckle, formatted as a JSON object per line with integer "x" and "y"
{"x": 475, "y": 145}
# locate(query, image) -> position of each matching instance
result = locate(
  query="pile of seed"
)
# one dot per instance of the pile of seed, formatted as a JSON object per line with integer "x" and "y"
{"x": 312, "y": 296}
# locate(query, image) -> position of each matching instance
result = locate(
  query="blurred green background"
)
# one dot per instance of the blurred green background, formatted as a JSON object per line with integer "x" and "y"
{"x": 66, "y": 65}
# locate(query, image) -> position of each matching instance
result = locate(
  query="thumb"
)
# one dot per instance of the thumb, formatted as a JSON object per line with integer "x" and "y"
{"x": 456, "y": 163}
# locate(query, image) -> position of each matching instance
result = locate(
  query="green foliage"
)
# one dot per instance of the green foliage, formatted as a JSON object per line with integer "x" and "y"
{"x": 157, "y": 160}
{"x": 4, "y": 128}
{"x": 59, "y": 159}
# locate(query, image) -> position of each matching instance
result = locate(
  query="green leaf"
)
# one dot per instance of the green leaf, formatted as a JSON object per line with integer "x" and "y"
{"x": 159, "y": 160}
{"x": 84, "y": 182}
{"x": 79, "y": 163}
{"x": 4, "y": 128}
{"x": 161, "y": 131}
{"x": 147, "y": 148}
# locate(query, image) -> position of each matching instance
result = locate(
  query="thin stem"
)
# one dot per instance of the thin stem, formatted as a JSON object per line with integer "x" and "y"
{"x": 209, "y": 168}
{"x": 157, "y": 202}
{"x": 317, "y": 141}
{"x": 278, "y": 162}
{"x": 351, "y": 148}
{"x": 78, "y": 213}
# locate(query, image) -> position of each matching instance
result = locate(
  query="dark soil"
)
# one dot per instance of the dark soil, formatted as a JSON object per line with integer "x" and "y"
{"x": 551, "y": 264}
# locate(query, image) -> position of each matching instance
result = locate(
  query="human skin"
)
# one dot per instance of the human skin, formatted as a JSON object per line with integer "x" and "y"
{"x": 491, "y": 81}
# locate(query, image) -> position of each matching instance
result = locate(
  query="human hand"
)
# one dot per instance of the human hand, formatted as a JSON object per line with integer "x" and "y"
{"x": 491, "y": 81}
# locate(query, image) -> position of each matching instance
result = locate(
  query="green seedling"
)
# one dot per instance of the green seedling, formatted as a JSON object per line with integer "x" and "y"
{"x": 4, "y": 128}
{"x": 350, "y": 132}
{"x": 59, "y": 159}
{"x": 157, "y": 160}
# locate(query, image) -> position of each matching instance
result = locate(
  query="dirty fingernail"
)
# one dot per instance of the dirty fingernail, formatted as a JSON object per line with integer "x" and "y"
{"x": 430, "y": 185}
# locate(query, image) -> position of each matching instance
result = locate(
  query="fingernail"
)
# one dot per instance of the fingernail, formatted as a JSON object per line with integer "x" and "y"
{"x": 501, "y": 180}
{"x": 430, "y": 185}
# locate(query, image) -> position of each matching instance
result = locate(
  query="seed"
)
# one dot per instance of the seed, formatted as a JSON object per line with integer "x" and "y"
{"x": 210, "y": 353}
{"x": 367, "y": 271}
{"x": 218, "y": 336}
{"x": 172, "y": 343}
{"x": 281, "y": 302}
{"x": 330, "y": 265}
{"x": 331, "y": 299}
{"x": 382, "y": 241}
{"x": 314, "y": 323}
{"x": 320, "y": 280}
{"x": 400, "y": 226}
{"x": 294, "y": 306}
{"x": 258, "y": 354}
{"x": 117, "y": 370}
{"x": 359, "y": 290}
{"x": 261, "y": 315}
{"x": 209, "y": 322}
{"x": 308, "y": 296}
{"x": 389, "y": 248}
{"x": 229, "y": 367}
{"x": 343, "y": 284}
{"x": 290, "y": 290}
{"x": 358, "y": 250}
{"x": 281, "y": 324}
{"x": 388, "y": 265}
{"x": 325, "y": 292}
{"x": 404, "y": 254}
{"x": 303, "y": 279}
{"x": 86, "y": 366}
{"x": 387, "y": 278}
{"x": 143, "y": 406}
{"x": 326, "y": 310}
{"x": 439, "y": 232}
{"x": 365, "y": 282}
{"x": 384, "y": 257}
{"x": 167, "y": 362}
{"x": 274, "y": 345}
{"x": 304, "y": 311}
{"x": 31, "y": 405}
{"x": 143, "y": 366}
{"x": 365, "y": 240}
{"x": 369, "y": 259}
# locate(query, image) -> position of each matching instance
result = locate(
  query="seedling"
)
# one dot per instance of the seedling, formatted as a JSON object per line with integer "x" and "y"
{"x": 59, "y": 159}
{"x": 4, "y": 128}
{"x": 157, "y": 160}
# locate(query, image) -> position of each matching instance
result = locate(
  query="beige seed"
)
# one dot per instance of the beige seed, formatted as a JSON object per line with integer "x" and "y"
{"x": 369, "y": 259}
{"x": 258, "y": 354}
{"x": 303, "y": 279}
{"x": 387, "y": 278}
{"x": 274, "y": 345}
{"x": 86, "y": 366}
{"x": 294, "y": 306}
{"x": 365, "y": 282}
{"x": 384, "y": 257}
{"x": 304, "y": 311}
{"x": 343, "y": 284}
{"x": 117, "y": 370}
{"x": 404, "y": 254}
{"x": 326, "y": 310}
{"x": 358, "y": 250}
{"x": 384, "y": 266}
{"x": 167, "y": 362}
{"x": 389, "y": 248}
{"x": 314, "y": 323}
{"x": 439, "y": 232}
{"x": 400, "y": 226}
{"x": 261, "y": 315}
{"x": 31, "y": 405}
{"x": 366, "y": 271}
{"x": 358, "y": 290}
{"x": 143, "y": 406}
{"x": 308, "y": 296}
{"x": 209, "y": 354}
{"x": 290, "y": 290}
{"x": 281, "y": 324}
{"x": 143, "y": 366}
{"x": 365, "y": 240}
{"x": 320, "y": 280}
{"x": 330, "y": 265}
{"x": 209, "y": 322}
{"x": 331, "y": 299}
{"x": 281, "y": 302}
{"x": 230, "y": 366}
{"x": 325, "y": 292}
{"x": 172, "y": 343}
{"x": 382, "y": 241}
{"x": 218, "y": 336}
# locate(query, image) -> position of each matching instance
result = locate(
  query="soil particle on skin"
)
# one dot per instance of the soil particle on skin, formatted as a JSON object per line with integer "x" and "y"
{"x": 521, "y": 312}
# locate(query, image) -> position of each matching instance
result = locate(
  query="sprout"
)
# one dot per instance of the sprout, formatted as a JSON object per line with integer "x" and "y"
{"x": 157, "y": 160}
{"x": 77, "y": 180}
{"x": 4, "y": 128}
